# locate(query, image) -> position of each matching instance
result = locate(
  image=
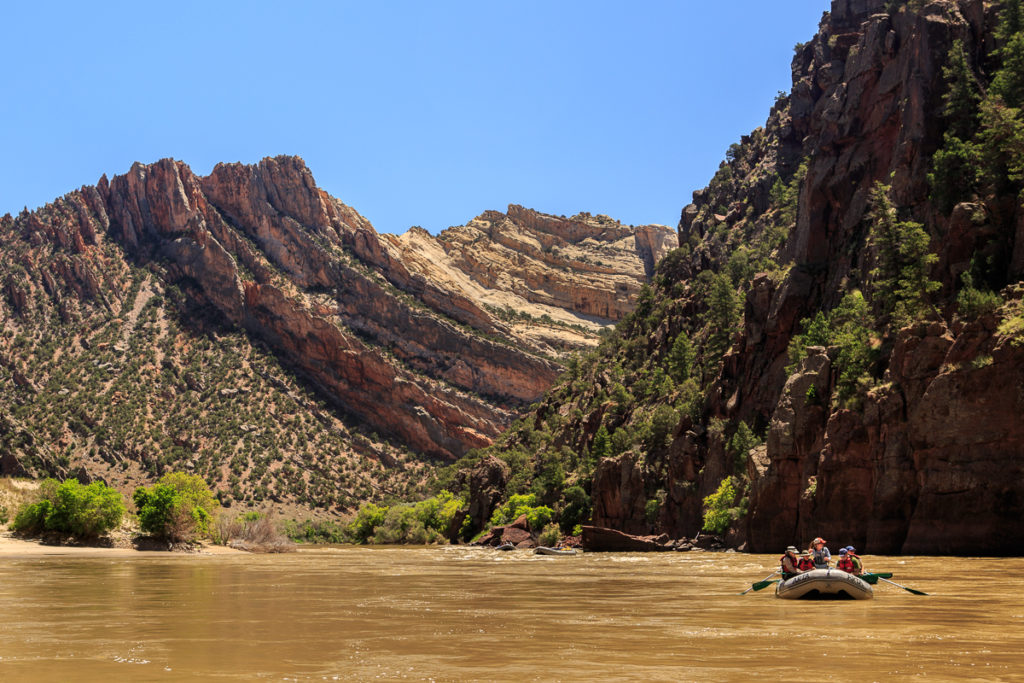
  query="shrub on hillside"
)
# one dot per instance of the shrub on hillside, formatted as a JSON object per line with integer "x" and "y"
{"x": 427, "y": 521}
{"x": 537, "y": 516}
{"x": 179, "y": 507}
{"x": 72, "y": 508}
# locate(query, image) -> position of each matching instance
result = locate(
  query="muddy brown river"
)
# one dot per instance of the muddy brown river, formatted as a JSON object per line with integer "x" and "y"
{"x": 457, "y": 614}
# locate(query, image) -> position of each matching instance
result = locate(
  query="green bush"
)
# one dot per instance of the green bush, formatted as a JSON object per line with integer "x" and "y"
{"x": 315, "y": 531}
{"x": 717, "y": 513}
{"x": 368, "y": 518}
{"x": 31, "y": 518}
{"x": 537, "y": 516}
{"x": 71, "y": 508}
{"x": 550, "y": 535}
{"x": 179, "y": 507}
{"x": 428, "y": 521}
{"x": 973, "y": 303}
{"x": 576, "y": 508}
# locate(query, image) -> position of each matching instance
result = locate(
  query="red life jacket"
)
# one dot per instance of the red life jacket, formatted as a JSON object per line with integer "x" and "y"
{"x": 805, "y": 563}
{"x": 845, "y": 564}
{"x": 782, "y": 564}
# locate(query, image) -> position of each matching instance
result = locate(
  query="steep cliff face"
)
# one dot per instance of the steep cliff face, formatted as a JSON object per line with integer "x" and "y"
{"x": 389, "y": 329}
{"x": 717, "y": 377}
{"x": 555, "y": 282}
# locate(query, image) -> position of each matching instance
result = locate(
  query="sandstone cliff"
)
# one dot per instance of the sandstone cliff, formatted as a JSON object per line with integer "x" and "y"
{"x": 129, "y": 281}
{"x": 711, "y": 381}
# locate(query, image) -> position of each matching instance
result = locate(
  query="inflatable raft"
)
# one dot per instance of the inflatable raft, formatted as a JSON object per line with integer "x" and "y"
{"x": 544, "y": 550}
{"x": 824, "y": 584}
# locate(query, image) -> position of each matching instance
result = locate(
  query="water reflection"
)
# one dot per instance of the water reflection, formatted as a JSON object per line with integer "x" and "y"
{"x": 474, "y": 614}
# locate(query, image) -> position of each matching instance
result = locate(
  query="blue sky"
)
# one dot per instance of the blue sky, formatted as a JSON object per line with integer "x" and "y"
{"x": 414, "y": 113}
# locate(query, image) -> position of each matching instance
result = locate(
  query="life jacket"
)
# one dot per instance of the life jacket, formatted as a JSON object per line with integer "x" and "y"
{"x": 805, "y": 564}
{"x": 845, "y": 564}
{"x": 782, "y": 563}
{"x": 821, "y": 557}
{"x": 858, "y": 566}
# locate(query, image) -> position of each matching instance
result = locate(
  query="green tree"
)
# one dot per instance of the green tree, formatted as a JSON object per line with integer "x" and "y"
{"x": 1008, "y": 82}
{"x": 367, "y": 519}
{"x": 681, "y": 358}
{"x": 72, "y": 508}
{"x": 1002, "y": 139}
{"x": 723, "y": 313}
{"x": 902, "y": 261}
{"x": 1011, "y": 21}
{"x": 740, "y": 444}
{"x": 956, "y": 172}
{"x": 179, "y": 507}
{"x": 717, "y": 513}
{"x": 960, "y": 103}
{"x": 575, "y": 508}
{"x": 601, "y": 446}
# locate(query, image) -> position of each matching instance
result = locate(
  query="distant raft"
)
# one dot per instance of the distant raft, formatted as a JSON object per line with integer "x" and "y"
{"x": 824, "y": 584}
{"x": 544, "y": 550}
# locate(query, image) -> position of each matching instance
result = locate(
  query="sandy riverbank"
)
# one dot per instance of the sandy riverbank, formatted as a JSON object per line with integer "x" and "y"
{"x": 16, "y": 547}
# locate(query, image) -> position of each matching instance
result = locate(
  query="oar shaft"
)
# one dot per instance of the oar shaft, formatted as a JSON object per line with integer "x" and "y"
{"x": 753, "y": 586}
{"x": 909, "y": 590}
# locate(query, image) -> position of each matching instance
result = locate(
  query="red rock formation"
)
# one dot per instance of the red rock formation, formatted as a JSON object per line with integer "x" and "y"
{"x": 410, "y": 351}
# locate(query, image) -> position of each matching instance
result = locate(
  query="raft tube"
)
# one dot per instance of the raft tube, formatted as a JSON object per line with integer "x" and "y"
{"x": 544, "y": 550}
{"x": 824, "y": 584}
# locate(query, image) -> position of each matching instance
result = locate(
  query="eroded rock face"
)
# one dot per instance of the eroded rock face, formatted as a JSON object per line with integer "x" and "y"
{"x": 486, "y": 486}
{"x": 925, "y": 466}
{"x": 619, "y": 495}
{"x": 552, "y": 281}
{"x": 930, "y": 465}
{"x": 922, "y": 463}
{"x": 389, "y": 328}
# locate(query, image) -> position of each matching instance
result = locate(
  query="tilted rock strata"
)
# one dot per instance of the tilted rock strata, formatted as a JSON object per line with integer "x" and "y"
{"x": 387, "y": 327}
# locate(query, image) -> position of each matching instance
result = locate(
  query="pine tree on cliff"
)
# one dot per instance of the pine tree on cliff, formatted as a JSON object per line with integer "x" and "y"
{"x": 960, "y": 103}
{"x": 1011, "y": 21}
{"x": 901, "y": 286}
{"x": 1008, "y": 84}
{"x": 955, "y": 174}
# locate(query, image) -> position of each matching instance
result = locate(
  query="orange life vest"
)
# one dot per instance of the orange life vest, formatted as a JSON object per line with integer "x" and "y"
{"x": 805, "y": 563}
{"x": 845, "y": 564}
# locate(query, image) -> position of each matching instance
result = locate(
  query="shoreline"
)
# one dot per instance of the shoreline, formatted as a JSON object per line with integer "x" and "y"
{"x": 11, "y": 547}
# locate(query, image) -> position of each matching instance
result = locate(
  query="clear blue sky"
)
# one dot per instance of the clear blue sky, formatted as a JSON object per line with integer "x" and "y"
{"x": 414, "y": 113}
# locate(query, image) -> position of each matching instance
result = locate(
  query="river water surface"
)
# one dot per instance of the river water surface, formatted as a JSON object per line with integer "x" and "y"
{"x": 477, "y": 614}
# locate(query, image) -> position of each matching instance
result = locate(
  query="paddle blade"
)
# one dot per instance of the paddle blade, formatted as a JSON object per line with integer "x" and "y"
{"x": 873, "y": 577}
{"x": 763, "y": 584}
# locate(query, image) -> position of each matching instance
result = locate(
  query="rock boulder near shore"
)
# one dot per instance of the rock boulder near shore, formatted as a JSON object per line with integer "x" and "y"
{"x": 602, "y": 539}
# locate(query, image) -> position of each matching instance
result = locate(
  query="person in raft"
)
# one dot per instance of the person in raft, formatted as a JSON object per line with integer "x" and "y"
{"x": 858, "y": 566}
{"x": 845, "y": 562}
{"x": 819, "y": 553}
{"x": 805, "y": 563}
{"x": 789, "y": 561}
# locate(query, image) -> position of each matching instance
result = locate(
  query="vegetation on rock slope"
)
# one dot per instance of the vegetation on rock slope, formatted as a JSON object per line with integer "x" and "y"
{"x": 660, "y": 399}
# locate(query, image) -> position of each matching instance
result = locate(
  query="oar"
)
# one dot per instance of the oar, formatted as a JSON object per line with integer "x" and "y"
{"x": 873, "y": 577}
{"x": 761, "y": 584}
{"x": 909, "y": 590}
